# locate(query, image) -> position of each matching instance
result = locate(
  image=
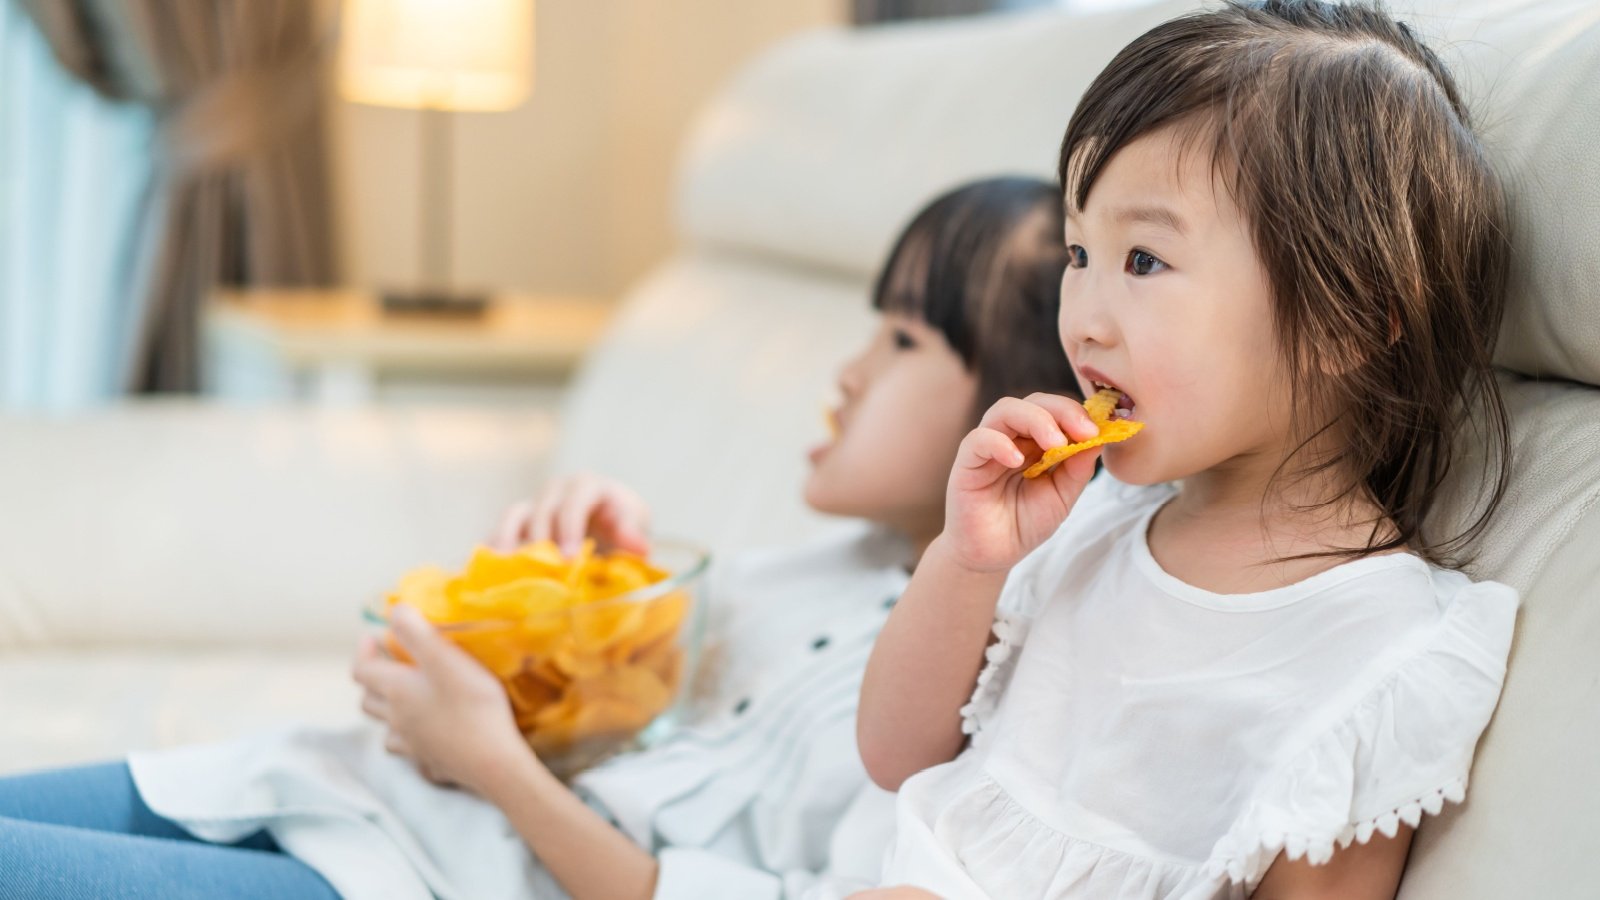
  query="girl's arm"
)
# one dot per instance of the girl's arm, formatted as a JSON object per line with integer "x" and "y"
{"x": 589, "y": 857}
{"x": 923, "y": 667}
{"x": 1369, "y": 871}
{"x": 926, "y": 660}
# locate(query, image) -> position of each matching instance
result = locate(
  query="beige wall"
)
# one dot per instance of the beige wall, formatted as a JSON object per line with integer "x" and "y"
{"x": 570, "y": 193}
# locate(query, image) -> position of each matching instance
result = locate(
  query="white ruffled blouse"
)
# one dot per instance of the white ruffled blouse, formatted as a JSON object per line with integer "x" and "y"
{"x": 1134, "y": 736}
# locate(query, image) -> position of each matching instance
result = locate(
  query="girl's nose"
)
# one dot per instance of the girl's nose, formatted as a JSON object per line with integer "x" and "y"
{"x": 1084, "y": 320}
{"x": 851, "y": 377}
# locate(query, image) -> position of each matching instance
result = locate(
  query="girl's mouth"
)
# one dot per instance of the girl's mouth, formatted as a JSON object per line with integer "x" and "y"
{"x": 1125, "y": 403}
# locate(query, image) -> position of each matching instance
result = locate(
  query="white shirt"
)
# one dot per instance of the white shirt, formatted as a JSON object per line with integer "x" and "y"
{"x": 764, "y": 797}
{"x": 1138, "y": 737}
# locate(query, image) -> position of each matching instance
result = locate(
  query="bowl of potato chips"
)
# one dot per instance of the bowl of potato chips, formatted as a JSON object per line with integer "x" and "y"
{"x": 595, "y": 651}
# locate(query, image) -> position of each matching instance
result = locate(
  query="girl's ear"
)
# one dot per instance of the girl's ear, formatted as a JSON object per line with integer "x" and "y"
{"x": 1340, "y": 360}
{"x": 1346, "y": 353}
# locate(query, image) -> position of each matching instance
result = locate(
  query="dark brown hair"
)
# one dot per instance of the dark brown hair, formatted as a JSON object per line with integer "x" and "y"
{"x": 982, "y": 264}
{"x": 1380, "y": 223}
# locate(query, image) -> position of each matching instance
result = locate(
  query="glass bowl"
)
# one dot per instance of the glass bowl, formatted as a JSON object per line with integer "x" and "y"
{"x": 597, "y": 678}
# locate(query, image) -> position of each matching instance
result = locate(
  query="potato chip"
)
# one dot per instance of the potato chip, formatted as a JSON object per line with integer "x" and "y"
{"x": 1102, "y": 404}
{"x": 578, "y": 671}
{"x": 1100, "y": 408}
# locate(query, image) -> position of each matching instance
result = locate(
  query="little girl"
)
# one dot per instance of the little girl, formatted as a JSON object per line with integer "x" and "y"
{"x": 744, "y": 803}
{"x": 1240, "y": 661}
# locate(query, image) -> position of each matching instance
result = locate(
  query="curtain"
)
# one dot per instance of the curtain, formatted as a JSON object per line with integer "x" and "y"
{"x": 73, "y": 171}
{"x": 239, "y": 189}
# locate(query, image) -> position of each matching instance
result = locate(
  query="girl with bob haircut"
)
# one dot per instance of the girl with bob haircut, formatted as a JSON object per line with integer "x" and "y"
{"x": 1239, "y": 661}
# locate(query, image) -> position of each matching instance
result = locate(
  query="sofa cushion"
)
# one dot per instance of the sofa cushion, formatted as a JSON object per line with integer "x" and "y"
{"x": 185, "y": 522}
{"x": 824, "y": 148}
{"x": 1529, "y": 70}
{"x": 709, "y": 388}
{"x": 79, "y": 705}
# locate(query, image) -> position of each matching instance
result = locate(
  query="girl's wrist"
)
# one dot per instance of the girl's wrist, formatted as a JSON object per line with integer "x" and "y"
{"x": 956, "y": 564}
{"x": 514, "y": 772}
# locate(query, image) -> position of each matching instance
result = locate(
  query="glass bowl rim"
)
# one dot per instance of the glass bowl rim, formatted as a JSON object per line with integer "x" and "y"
{"x": 375, "y": 612}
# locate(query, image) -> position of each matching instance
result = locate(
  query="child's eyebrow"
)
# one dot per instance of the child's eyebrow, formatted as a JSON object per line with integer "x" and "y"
{"x": 1160, "y": 216}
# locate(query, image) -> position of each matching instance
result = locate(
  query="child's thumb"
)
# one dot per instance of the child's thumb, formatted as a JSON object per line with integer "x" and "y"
{"x": 416, "y": 635}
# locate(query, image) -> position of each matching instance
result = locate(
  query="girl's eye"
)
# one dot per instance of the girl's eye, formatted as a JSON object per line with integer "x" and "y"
{"x": 1077, "y": 257}
{"x": 1142, "y": 263}
{"x": 903, "y": 340}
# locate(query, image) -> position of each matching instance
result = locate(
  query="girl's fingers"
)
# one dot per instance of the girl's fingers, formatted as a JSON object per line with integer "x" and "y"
{"x": 623, "y": 518}
{"x": 1075, "y": 471}
{"x": 513, "y": 527}
{"x": 397, "y": 745}
{"x": 375, "y": 706}
{"x": 572, "y": 517}
{"x": 374, "y": 672}
{"x": 1021, "y": 418}
{"x": 541, "y": 521}
{"x": 1069, "y": 415}
{"x": 986, "y": 445}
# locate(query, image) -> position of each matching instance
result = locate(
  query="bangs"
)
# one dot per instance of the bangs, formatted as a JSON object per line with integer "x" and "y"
{"x": 913, "y": 285}
{"x": 1203, "y": 129}
{"x": 982, "y": 266}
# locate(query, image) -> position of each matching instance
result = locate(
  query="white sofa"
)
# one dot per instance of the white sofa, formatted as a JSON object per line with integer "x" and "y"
{"x": 174, "y": 572}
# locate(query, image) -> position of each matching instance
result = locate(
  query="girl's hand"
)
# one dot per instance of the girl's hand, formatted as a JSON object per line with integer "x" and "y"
{"x": 575, "y": 507}
{"x": 993, "y": 516}
{"x": 904, "y": 892}
{"x": 446, "y": 712}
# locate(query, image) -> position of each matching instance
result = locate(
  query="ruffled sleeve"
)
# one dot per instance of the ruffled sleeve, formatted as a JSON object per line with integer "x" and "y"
{"x": 1403, "y": 749}
{"x": 1014, "y": 613}
{"x": 998, "y": 661}
{"x": 1021, "y": 599}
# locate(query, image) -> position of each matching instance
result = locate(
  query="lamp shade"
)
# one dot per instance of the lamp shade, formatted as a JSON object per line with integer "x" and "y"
{"x": 437, "y": 54}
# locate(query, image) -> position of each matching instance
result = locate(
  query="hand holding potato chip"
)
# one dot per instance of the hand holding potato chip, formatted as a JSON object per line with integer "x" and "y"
{"x": 1099, "y": 407}
{"x": 993, "y": 515}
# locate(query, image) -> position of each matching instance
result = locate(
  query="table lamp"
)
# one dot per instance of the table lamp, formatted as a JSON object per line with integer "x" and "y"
{"x": 440, "y": 57}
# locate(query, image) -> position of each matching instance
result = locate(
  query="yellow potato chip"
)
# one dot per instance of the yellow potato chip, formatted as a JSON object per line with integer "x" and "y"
{"x": 546, "y": 555}
{"x": 517, "y": 599}
{"x": 422, "y": 588}
{"x": 1102, "y": 404}
{"x": 578, "y": 672}
{"x": 500, "y": 649}
{"x": 1110, "y": 432}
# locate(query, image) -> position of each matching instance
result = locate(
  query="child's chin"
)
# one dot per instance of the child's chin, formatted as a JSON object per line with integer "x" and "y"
{"x": 1127, "y": 466}
{"x": 819, "y": 494}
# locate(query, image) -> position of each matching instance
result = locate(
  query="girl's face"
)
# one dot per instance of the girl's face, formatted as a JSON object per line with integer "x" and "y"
{"x": 1165, "y": 299}
{"x": 907, "y": 402}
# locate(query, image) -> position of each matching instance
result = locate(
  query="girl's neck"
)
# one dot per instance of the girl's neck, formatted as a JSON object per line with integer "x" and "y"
{"x": 1240, "y": 503}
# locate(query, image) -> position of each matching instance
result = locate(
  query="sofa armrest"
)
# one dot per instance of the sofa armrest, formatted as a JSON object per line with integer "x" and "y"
{"x": 188, "y": 523}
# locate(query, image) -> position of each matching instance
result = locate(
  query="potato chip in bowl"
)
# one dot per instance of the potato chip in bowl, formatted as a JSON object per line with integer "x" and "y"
{"x": 594, "y": 651}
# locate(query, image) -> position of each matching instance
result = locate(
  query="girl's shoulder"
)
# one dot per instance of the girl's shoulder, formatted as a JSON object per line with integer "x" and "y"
{"x": 1396, "y": 742}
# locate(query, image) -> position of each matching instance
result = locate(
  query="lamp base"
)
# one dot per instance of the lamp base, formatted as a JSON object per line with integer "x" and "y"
{"x": 434, "y": 302}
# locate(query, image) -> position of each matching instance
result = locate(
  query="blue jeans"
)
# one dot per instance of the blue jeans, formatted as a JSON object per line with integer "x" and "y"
{"x": 77, "y": 833}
